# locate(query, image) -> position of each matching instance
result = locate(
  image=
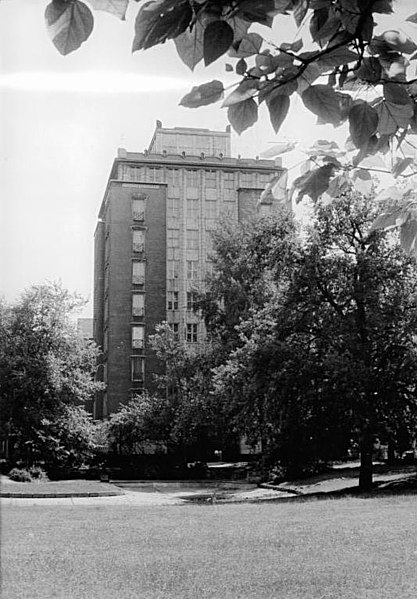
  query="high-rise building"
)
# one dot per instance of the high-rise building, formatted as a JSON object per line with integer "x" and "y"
{"x": 153, "y": 246}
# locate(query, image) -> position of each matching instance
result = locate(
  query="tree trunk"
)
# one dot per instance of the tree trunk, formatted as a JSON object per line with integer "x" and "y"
{"x": 365, "y": 474}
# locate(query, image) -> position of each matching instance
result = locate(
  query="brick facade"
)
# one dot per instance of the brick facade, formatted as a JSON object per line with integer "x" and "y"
{"x": 153, "y": 244}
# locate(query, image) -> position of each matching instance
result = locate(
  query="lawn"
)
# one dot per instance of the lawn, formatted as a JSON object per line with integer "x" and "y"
{"x": 349, "y": 548}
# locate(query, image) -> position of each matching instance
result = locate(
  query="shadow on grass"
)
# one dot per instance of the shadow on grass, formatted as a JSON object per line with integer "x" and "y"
{"x": 403, "y": 486}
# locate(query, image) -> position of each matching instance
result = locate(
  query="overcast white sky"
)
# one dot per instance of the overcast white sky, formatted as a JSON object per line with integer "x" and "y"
{"x": 62, "y": 120}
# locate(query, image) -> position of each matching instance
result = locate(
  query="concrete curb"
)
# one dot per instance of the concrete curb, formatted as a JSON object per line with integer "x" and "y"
{"x": 282, "y": 489}
{"x": 58, "y": 495}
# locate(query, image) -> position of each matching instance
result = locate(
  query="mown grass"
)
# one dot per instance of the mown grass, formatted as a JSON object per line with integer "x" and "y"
{"x": 349, "y": 548}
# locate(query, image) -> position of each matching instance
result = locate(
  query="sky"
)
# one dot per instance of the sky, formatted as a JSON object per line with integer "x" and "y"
{"x": 62, "y": 120}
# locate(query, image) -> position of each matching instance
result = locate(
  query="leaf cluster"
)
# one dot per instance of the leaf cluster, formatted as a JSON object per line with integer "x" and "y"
{"x": 334, "y": 350}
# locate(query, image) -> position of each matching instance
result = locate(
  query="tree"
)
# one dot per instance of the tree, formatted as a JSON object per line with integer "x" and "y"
{"x": 199, "y": 420}
{"x": 344, "y": 69}
{"x": 144, "y": 422}
{"x": 46, "y": 368}
{"x": 333, "y": 353}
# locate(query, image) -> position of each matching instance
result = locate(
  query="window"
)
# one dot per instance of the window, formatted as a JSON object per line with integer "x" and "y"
{"x": 211, "y": 209}
{"x": 137, "y": 364}
{"x": 211, "y": 178}
{"x": 138, "y": 304}
{"x": 192, "y": 209}
{"x": 264, "y": 179}
{"x": 153, "y": 175}
{"x": 138, "y": 337}
{"x": 209, "y": 268}
{"x": 173, "y": 267}
{"x": 191, "y": 333}
{"x": 175, "y": 327}
{"x": 245, "y": 179}
{"x": 138, "y": 240}
{"x": 192, "y": 239}
{"x": 174, "y": 175}
{"x": 193, "y": 179}
{"x": 172, "y": 297}
{"x": 173, "y": 207}
{"x": 132, "y": 173}
{"x": 138, "y": 273}
{"x": 173, "y": 238}
{"x": 229, "y": 180}
{"x": 138, "y": 207}
{"x": 173, "y": 253}
{"x": 192, "y": 269}
{"x": 191, "y": 300}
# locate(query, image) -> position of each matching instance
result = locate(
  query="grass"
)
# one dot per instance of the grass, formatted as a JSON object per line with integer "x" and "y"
{"x": 59, "y": 487}
{"x": 349, "y": 548}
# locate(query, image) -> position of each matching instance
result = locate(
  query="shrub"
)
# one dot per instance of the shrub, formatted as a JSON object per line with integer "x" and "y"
{"x": 26, "y": 475}
{"x": 68, "y": 442}
{"x": 20, "y": 475}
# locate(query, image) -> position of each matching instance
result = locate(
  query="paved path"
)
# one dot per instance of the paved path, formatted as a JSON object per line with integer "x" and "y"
{"x": 137, "y": 498}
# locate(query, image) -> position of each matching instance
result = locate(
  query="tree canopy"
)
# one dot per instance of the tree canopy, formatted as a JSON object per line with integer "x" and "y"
{"x": 46, "y": 369}
{"x": 329, "y": 355}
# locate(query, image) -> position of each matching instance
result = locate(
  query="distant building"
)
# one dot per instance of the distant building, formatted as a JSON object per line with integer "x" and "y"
{"x": 153, "y": 245}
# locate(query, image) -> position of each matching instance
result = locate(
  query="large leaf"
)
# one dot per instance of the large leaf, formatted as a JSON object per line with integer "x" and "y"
{"x": 362, "y": 181}
{"x": 337, "y": 58}
{"x": 69, "y": 24}
{"x": 218, "y": 37}
{"x": 276, "y": 87}
{"x": 363, "y": 122}
{"x": 369, "y": 70}
{"x": 203, "y": 94}
{"x": 160, "y": 20}
{"x": 314, "y": 183}
{"x": 396, "y": 93}
{"x": 261, "y": 11}
{"x": 401, "y": 164}
{"x": 279, "y": 148}
{"x": 396, "y": 40}
{"x": 299, "y": 11}
{"x": 337, "y": 186}
{"x": 243, "y": 115}
{"x": 246, "y": 89}
{"x": 408, "y": 236}
{"x": 412, "y": 18}
{"x": 393, "y": 117}
{"x": 248, "y": 46}
{"x": 277, "y": 189}
{"x": 189, "y": 45}
{"x": 325, "y": 103}
{"x": 114, "y": 7}
{"x": 278, "y": 107}
{"x": 389, "y": 220}
{"x": 308, "y": 76}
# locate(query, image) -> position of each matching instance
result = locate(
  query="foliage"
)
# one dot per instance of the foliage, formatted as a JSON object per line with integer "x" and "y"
{"x": 341, "y": 61}
{"x": 343, "y": 49}
{"x": 68, "y": 441}
{"x": 143, "y": 424}
{"x": 332, "y": 354}
{"x": 45, "y": 366}
{"x": 26, "y": 475}
{"x": 244, "y": 255}
{"x": 196, "y": 414}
